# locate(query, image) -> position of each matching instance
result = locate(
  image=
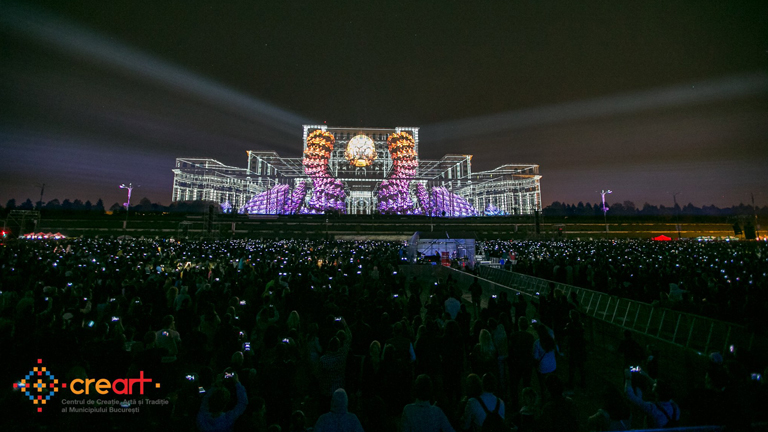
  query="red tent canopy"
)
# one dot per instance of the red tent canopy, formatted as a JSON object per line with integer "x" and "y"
{"x": 662, "y": 238}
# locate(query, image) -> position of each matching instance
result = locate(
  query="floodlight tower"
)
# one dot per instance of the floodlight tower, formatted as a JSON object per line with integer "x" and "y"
{"x": 605, "y": 209}
{"x": 127, "y": 204}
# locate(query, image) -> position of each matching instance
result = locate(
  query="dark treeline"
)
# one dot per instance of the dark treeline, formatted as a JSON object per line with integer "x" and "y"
{"x": 78, "y": 206}
{"x": 556, "y": 209}
{"x": 628, "y": 208}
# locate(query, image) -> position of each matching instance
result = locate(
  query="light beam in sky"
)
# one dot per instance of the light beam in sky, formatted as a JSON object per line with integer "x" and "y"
{"x": 727, "y": 88}
{"x": 70, "y": 38}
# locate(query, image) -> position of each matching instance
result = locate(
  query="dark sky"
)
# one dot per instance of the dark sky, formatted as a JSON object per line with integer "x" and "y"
{"x": 645, "y": 98}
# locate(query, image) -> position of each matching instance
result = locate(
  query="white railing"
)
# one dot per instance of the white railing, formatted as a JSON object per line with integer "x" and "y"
{"x": 690, "y": 331}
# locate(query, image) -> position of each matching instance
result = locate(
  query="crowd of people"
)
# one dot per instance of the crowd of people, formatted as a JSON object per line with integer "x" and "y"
{"x": 299, "y": 335}
{"x": 722, "y": 280}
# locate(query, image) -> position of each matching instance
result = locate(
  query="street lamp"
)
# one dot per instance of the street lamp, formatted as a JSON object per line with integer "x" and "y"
{"x": 42, "y": 189}
{"x": 127, "y": 205}
{"x": 677, "y": 213}
{"x": 605, "y": 209}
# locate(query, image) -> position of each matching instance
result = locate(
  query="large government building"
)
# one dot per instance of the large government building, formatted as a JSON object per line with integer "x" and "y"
{"x": 360, "y": 171}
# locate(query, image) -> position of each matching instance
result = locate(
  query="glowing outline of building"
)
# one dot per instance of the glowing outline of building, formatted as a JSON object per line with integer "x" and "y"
{"x": 325, "y": 180}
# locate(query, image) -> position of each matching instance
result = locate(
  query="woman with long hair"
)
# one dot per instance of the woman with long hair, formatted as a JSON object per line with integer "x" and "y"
{"x": 395, "y": 381}
{"x": 369, "y": 379}
{"x": 452, "y": 360}
{"x": 544, "y": 353}
{"x": 484, "y": 355}
{"x": 474, "y": 389}
{"x": 294, "y": 322}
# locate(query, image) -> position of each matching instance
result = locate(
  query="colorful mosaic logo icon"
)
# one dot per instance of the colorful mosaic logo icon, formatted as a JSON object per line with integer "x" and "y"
{"x": 39, "y": 385}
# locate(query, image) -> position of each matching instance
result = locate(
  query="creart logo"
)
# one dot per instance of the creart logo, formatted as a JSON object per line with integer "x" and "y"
{"x": 46, "y": 386}
{"x": 39, "y": 392}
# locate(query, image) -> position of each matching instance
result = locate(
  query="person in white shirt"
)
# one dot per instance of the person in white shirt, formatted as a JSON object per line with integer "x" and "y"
{"x": 169, "y": 339}
{"x": 422, "y": 416}
{"x": 663, "y": 411}
{"x": 474, "y": 414}
{"x": 452, "y": 306}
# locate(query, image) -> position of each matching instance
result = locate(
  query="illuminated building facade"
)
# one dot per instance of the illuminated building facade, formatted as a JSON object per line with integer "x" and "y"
{"x": 360, "y": 171}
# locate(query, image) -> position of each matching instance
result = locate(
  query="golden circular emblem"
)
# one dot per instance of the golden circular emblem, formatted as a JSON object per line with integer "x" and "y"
{"x": 361, "y": 151}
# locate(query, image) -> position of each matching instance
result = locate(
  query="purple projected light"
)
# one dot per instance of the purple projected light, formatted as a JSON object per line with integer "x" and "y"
{"x": 426, "y": 202}
{"x": 297, "y": 198}
{"x": 492, "y": 210}
{"x": 394, "y": 197}
{"x": 271, "y": 201}
{"x": 328, "y": 193}
{"x": 451, "y": 205}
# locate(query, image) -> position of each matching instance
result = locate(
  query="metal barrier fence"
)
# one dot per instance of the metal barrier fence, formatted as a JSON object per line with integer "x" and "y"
{"x": 683, "y": 329}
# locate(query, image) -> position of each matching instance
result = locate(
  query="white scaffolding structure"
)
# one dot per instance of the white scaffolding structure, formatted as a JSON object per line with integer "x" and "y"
{"x": 513, "y": 189}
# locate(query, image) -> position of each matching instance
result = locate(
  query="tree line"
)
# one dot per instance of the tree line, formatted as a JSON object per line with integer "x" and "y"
{"x": 556, "y": 209}
{"x": 628, "y": 208}
{"x": 78, "y": 206}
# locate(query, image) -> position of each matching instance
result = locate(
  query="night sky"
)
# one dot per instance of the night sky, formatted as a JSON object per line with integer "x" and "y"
{"x": 645, "y": 98}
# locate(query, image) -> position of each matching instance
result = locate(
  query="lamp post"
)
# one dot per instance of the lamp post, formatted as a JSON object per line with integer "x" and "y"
{"x": 127, "y": 205}
{"x": 757, "y": 223}
{"x": 42, "y": 189}
{"x": 677, "y": 213}
{"x": 605, "y": 209}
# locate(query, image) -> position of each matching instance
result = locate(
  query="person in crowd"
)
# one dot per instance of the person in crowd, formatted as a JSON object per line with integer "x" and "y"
{"x": 294, "y": 321}
{"x": 428, "y": 350}
{"x": 520, "y": 359}
{"x": 213, "y": 416}
{"x": 499, "y": 335}
{"x": 370, "y": 378}
{"x": 181, "y": 298}
{"x": 484, "y": 357}
{"x": 452, "y": 345}
{"x": 209, "y": 324}
{"x": 614, "y": 414}
{"x": 334, "y": 363}
{"x": 559, "y": 413}
{"x": 480, "y": 407}
{"x": 544, "y": 353}
{"x": 464, "y": 319}
{"x": 414, "y": 304}
{"x": 525, "y": 419}
{"x": 422, "y": 416}
{"x": 363, "y": 334}
{"x": 149, "y": 358}
{"x": 169, "y": 338}
{"x": 403, "y": 345}
{"x": 476, "y": 292}
{"x": 576, "y": 344}
{"x": 298, "y": 422}
{"x": 395, "y": 380}
{"x": 452, "y": 305}
{"x": 314, "y": 347}
{"x": 633, "y": 352}
{"x": 520, "y": 306}
{"x": 338, "y": 419}
{"x": 707, "y": 404}
{"x": 661, "y": 411}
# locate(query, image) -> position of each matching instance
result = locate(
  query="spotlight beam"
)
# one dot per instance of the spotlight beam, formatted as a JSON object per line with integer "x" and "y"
{"x": 52, "y": 31}
{"x": 732, "y": 87}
